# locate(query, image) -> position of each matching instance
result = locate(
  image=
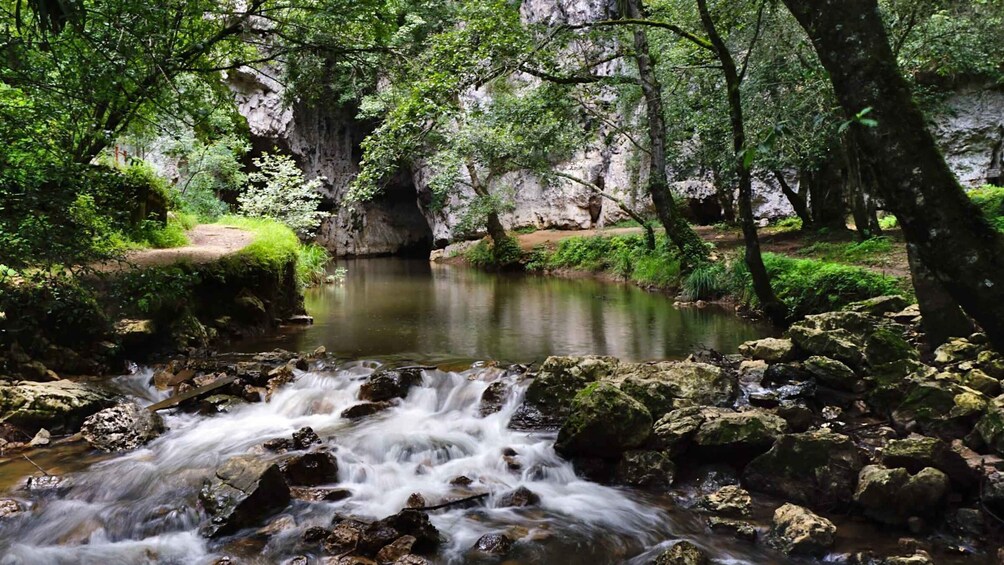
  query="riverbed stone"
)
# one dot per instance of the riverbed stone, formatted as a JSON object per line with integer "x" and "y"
{"x": 365, "y": 409}
{"x": 738, "y": 434}
{"x": 9, "y": 507}
{"x": 494, "y": 398}
{"x": 518, "y": 498}
{"x": 816, "y": 468}
{"x": 833, "y": 373}
{"x": 917, "y": 452}
{"x": 739, "y": 529}
{"x": 310, "y": 469}
{"x": 879, "y": 305}
{"x": 603, "y": 422}
{"x": 408, "y": 522}
{"x": 242, "y": 492}
{"x": 389, "y": 384}
{"x": 730, "y": 500}
{"x": 667, "y": 385}
{"x": 769, "y": 349}
{"x": 122, "y": 427}
{"x": 892, "y": 496}
{"x": 797, "y": 531}
{"x": 645, "y": 468}
{"x": 58, "y": 406}
{"x": 395, "y": 549}
{"x": 548, "y": 399}
{"x": 682, "y": 553}
{"x": 494, "y": 544}
{"x": 674, "y": 431}
{"x": 956, "y": 351}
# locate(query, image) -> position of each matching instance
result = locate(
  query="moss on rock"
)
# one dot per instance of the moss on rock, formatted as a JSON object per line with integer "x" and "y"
{"x": 603, "y": 422}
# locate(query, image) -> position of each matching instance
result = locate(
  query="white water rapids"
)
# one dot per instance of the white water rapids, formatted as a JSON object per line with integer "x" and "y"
{"x": 141, "y": 507}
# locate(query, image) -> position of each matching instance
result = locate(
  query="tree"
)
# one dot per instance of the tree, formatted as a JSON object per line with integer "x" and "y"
{"x": 951, "y": 237}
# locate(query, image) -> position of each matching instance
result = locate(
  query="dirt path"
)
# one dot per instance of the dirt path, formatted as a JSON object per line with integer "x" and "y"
{"x": 787, "y": 243}
{"x": 207, "y": 243}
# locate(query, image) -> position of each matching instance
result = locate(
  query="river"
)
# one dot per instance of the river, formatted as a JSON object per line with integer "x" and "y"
{"x": 141, "y": 506}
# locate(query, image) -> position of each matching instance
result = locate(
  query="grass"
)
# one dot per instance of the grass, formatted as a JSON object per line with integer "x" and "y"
{"x": 274, "y": 244}
{"x": 311, "y": 264}
{"x": 624, "y": 256}
{"x": 872, "y": 251}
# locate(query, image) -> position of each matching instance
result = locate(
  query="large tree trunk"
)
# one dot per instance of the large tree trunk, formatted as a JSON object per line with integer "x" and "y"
{"x": 769, "y": 302}
{"x": 948, "y": 232}
{"x": 942, "y": 317}
{"x": 825, "y": 186}
{"x": 797, "y": 201}
{"x": 691, "y": 246}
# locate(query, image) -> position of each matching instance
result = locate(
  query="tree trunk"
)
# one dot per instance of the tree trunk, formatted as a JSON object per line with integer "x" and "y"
{"x": 649, "y": 232}
{"x": 726, "y": 199}
{"x": 825, "y": 185}
{"x": 942, "y": 317}
{"x": 772, "y": 307}
{"x": 856, "y": 187}
{"x": 797, "y": 201}
{"x": 948, "y": 232}
{"x": 493, "y": 223}
{"x": 691, "y": 246}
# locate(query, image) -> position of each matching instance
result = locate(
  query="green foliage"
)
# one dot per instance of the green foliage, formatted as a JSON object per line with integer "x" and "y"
{"x": 869, "y": 252}
{"x": 277, "y": 190}
{"x": 208, "y": 170}
{"x": 808, "y": 286}
{"x": 888, "y": 222}
{"x": 791, "y": 224}
{"x": 489, "y": 254}
{"x": 990, "y": 199}
{"x": 707, "y": 281}
{"x": 159, "y": 292}
{"x": 311, "y": 264}
{"x": 55, "y": 304}
{"x": 274, "y": 245}
{"x": 624, "y": 256}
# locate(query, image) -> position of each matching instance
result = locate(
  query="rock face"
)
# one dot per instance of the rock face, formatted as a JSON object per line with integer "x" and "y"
{"x": 242, "y": 492}
{"x": 815, "y": 468}
{"x": 59, "y": 406}
{"x": 971, "y": 136}
{"x": 603, "y": 422}
{"x": 797, "y": 531}
{"x": 123, "y": 427}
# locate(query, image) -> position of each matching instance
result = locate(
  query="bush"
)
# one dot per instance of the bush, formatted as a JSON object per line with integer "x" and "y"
{"x": 278, "y": 191}
{"x": 990, "y": 200}
{"x": 888, "y": 222}
{"x": 311, "y": 264}
{"x": 625, "y": 256}
{"x": 706, "y": 282}
{"x": 491, "y": 255}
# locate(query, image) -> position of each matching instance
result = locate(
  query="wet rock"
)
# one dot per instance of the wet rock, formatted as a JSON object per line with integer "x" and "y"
{"x": 892, "y": 496}
{"x": 395, "y": 550}
{"x": 879, "y": 306}
{"x": 345, "y": 537}
{"x": 648, "y": 469}
{"x": 991, "y": 363}
{"x": 123, "y": 427}
{"x": 494, "y": 544}
{"x": 738, "y": 529}
{"x": 242, "y": 492}
{"x": 939, "y": 405}
{"x": 771, "y": 350}
{"x": 518, "y": 498}
{"x": 797, "y": 531}
{"x": 661, "y": 387}
{"x": 389, "y": 384}
{"x": 494, "y": 398}
{"x": 968, "y": 521}
{"x": 304, "y": 438}
{"x": 415, "y": 500}
{"x": 319, "y": 494}
{"x": 798, "y": 417}
{"x": 674, "y": 431}
{"x": 956, "y": 351}
{"x": 9, "y": 507}
{"x": 738, "y": 434}
{"x": 310, "y": 469}
{"x": 833, "y": 374}
{"x": 278, "y": 445}
{"x": 365, "y": 409}
{"x": 461, "y": 481}
{"x": 59, "y": 406}
{"x": 817, "y": 468}
{"x": 834, "y": 335}
{"x": 412, "y": 560}
{"x": 603, "y": 422}
{"x": 917, "y": 452}
{"x": 729, "y": 500}
{"x": 990, "y": 427}
{"x": 782, "y": 373}
{"x": 548, "y": 399}
{"x": 220, "y": 404}
{"x": 47, "y": 484}
{"x": 992, "y": 493}
{"x": 682, "y": 553}
{"x": 409, "y": 522}
{"x": 41, "y": 439}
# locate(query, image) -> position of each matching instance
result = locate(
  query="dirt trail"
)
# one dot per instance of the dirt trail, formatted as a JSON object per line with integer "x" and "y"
{"x": 207, "y": 243}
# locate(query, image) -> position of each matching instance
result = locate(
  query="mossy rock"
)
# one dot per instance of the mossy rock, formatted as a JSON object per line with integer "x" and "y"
{"x": 674, "y": 431}
{"x": 815, "y": 468}
{"x": 739, "y": 433}
{"x": 770, "y": 349}
{"x": 797, "y": 531}
{"x": 892, "y": 496}
{"x": 879, "y": 306}
{"x": 668, "y": 385}
{"x": 833, "y": 373}
{"x": 991, "y": 428}
{"x": 957, "y": 351}
{"x": 58, "y": 406}
{"x": 549, "y": 396}
{"x": 917, "y": 452}
{"x": 646, "y": 469}
{"x": 886, "y": 345}
{"x": 836, "y": 344}
{"x": 682, "y": 553}
{"x": 603, "y": 422}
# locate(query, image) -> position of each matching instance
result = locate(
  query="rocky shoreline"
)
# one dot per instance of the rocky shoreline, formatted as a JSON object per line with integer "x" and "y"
{"x": 842, "y": 419}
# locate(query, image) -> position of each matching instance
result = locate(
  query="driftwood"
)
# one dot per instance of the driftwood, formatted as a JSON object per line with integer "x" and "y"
{"x": 196, "y": 392}
{"x": 453, "y": 502}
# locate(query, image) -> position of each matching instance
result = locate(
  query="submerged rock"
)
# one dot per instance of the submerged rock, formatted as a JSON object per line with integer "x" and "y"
{"x": 817, "y": 468}
{"x": 59, "y": 406}
{"x": 518, "y": 497}
{"x": 494, "y": 544}
{"x": 682, "y": 553}
{"x": 797, "y": 531}
{"x": 389, "y": 384}
{"x": 242, "y": 492}
{"x": 365, "y": 409}
{"x": 494, "y": 398}
{"x": 738, "y": 529}
{"x": 123, "y": 427}
{"x": 892, "y": 496}
{"x": 603, "y": 422}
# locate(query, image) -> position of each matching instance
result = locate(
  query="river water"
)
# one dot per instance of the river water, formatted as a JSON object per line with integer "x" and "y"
{"x": 141, "y": 507}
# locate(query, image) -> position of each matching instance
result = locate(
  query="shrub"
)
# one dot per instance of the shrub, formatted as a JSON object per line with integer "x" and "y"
{"x": 278, "y": 191}
{"x": 888, "y": 222}
{"x": 624, "y": 256}
{"x": 990, "y": 200}
{"x": 706, "y": 282}
{"x": 491, "y": 255}
{"x": 809, "y": 286}
{"x": 311, "y": 264}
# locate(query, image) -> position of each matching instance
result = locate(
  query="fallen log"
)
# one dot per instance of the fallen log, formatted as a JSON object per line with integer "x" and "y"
{"x": 194, "y": 393}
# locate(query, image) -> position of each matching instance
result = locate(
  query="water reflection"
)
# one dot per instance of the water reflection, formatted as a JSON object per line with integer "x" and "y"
{"x": 418, "y": 310}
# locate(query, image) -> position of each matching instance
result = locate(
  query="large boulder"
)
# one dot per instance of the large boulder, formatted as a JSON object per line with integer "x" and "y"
{"x": 939, "y": 405}
{"x": 815, "y": 468}
{"x": 879, "y": 305}
{"x": 122, "y": 427}
{"x": 389, "y": 384}
{"x": 548, "y": 399}
{"x": 664, "y": 386}
{"x": 603, "y": 422}
{"x": 769, "y": 349}
{"x": 853, "y": 338}
{"x": 833, "y": 373}
{"x": 892, "y": 496}
{"x": 682, "y": 553}
{"x": 241, "y": 493}
{"x": 797, "y": 531}
{"x": 738, "y": 434}
{"x": 58, "y": 406}
{"x": 917, "y": 452}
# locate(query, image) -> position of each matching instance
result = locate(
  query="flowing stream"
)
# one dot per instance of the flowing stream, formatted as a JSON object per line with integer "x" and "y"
{"x": 141, "y": 506}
